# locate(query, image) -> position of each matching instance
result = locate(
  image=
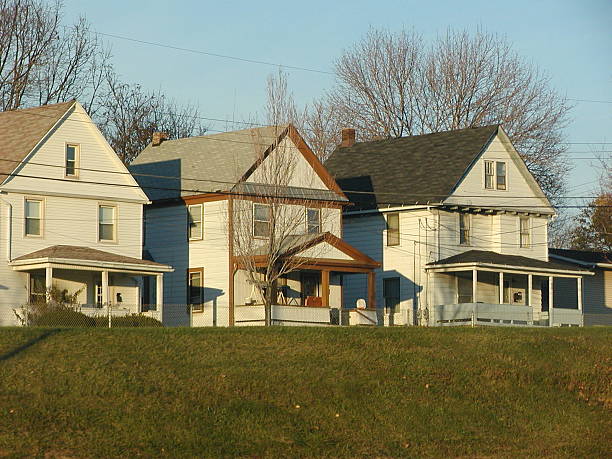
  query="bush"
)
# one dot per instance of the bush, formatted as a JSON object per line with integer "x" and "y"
{"x": 62, "y": 317}
{"x": 131, "y": 320}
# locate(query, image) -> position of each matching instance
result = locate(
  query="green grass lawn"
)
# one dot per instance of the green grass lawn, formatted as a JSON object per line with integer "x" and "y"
{"x": 297, "y": 392}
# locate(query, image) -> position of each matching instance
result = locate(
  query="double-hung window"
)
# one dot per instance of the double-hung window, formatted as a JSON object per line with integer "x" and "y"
{"x": 72, "y": 160}
{"x": 500, "y": 170}
{"x": 196, "y": 293}
{"x": 33, "y": 217}
{"x": 196, "y": 230}
{"x": 313, "y": 221}
{"x": 393, "y": 229}
{"x": 489, "y": 175}
{"x": 464, "y": 229}
{"x": 107, "y": 229}
{"x": 495, "y": 175}
{"x": 525, "y": 232}
{"x": 261, "y": 220}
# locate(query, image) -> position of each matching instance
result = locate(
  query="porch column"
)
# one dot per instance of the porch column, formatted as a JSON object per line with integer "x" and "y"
{"x": 550, "y": 301}
{"x": 372, "y": 290}
{"x": 501, "y": 288}
{"x": 579, "y": 290}
{"x": 105, "y": 288}
{"x": 48, "y": 279}
{"x": 529, "y": 289}
{"x": 159, "y": 293}
{"x": 474, "y": 285}
{"x": 325, "y": 289}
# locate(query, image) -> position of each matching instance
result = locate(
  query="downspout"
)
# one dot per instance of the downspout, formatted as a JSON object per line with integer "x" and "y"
{"x": 9, "y": 230}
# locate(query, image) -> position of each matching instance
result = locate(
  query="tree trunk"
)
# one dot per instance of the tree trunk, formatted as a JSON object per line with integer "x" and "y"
{"x": 269, "y": 300}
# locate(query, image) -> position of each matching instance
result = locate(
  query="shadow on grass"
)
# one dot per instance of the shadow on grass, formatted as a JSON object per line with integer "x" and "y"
{"x": 28, "y": 344}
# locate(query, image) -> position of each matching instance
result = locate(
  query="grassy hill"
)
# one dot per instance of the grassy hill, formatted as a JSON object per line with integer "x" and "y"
{"x": 296, "y": 392}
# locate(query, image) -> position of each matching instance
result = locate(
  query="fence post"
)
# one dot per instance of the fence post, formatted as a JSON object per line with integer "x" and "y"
{"x": 474, "y": 315}
{"x": 108, "y": 307}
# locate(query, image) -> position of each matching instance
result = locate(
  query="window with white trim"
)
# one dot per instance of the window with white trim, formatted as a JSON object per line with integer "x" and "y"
{"x": 464, "y": 229}
{"x": 313, "y": 221}
{"x": 196, "y": 218}
{"x": 489, "y": 170}
{"x": 106, "y": 223}
{"x": 500, "y": 172}
{"x": 495, "y": 175}
{"x": 261, "y": 220}
{"x": 525, "y": 231}
{"x": 196, "y": 292}
{"x": 393, "y": 229}
{"x": 72, "y": 160}
{"x": 33, "y": 217}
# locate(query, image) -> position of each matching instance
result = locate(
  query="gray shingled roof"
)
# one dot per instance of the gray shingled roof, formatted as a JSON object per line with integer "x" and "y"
{"x": 291, "y": 243}
{"x": 407, "y": 170}
{"x": 494, "y": 258}
{"x": 584, "y": 256}
{"x": 201, "y": 164}
{"x": 291, "y": 192}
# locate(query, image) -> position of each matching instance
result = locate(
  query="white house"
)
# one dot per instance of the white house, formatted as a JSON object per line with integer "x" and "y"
{"x": 204, "y": 190}
{"x": 459, "y": 225}
{"x": 70, "y": 213}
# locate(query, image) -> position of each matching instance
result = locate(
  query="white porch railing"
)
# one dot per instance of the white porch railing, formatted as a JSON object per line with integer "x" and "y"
{"x": 287, "y": 315}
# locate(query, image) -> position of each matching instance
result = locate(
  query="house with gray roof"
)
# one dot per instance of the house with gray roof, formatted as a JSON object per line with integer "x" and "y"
{"x": 459, "y": 226}
{"x": 220, "y": 203}
{"x": 70, "y": 216}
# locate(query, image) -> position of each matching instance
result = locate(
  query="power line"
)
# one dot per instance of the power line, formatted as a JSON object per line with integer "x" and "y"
{"x": 592, "y": 101}
{"x": 208, "y": 53}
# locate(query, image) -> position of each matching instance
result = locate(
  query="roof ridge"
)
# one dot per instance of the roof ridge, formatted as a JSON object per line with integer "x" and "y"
{"x": 39, "y": 107}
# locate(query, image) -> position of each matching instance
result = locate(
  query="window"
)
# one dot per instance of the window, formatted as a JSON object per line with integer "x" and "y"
{"x": 489, "y": 174}
{"x": 313, "y": 221}
{"x": 464, "y": 229}
{"x": 106, "y": 223}
{"x": 195, "y": 222}
{"x": 261, "y": 220}
{"x": 391, "y": 293}
{"x": 72, "y": 160}
{"x": 393, "y": 235}
{"x": 501, "y": 175}
{"x": 33, "y": 217}
{"x": 38, "y": 289}
{"x": 196, "y": 291}
{"x": 525, "y": 233}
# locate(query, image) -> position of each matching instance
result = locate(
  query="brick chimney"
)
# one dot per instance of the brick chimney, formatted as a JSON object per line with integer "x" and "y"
{"x": 159, "y": 137}
{"x": 348, "y": 138}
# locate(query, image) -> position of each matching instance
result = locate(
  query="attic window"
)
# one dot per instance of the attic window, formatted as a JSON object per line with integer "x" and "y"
{"x": 500, "y": 167}
{"x": 495, "y": 175}
{"x": 72, "y": 160}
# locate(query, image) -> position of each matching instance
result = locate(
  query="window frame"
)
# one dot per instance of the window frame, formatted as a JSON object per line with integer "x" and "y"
{"x": 269, "y": 223}
{"x": 195, "y": 307}
{"x": 308, "y": 224}
{"x": 77, "y": 160}
{"x": 463, "y": 230}
{"x": 201, "y": 235}
{"x": 492, "y": 174}
{"x": 497, "y": 176}
{"x": 393, "y": 232}
{"x": 115, "y": 221}
{"x": 527, "y": 233}
{"x": 386, "y": 287}
{"x": 41, "y": 217}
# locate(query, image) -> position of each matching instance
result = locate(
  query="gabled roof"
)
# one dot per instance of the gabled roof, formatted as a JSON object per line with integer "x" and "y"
{"x": 581, "y": 257}
{"x": 418, "y": 169}
{"x": 485, "y": 257}
{"x": 216, "y": 162}
{"x": 21, "y": 130}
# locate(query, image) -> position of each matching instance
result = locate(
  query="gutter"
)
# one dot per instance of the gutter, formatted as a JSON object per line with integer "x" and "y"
{"x": 94, "y": 264}
{"x": 9, "y": 230}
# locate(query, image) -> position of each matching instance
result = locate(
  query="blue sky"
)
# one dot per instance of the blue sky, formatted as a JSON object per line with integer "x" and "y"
{"x": 570, "y": 40}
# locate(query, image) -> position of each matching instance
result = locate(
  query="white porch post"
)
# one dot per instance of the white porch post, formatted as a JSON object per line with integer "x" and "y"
{"x": 501, "y": 288}
{"x": 529, "y": 289}
{"x": 474, "y": 285}
{"x": 105, "y": 291}
{"x": 579, "y": 293}
{"x": 159, "y": 294}
{"x": 48, "y": 279}
{"x": 550, "y": 301}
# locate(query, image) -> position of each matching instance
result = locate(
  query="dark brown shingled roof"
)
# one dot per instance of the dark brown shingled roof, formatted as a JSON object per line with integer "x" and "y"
{"x": 583, "y": 255}
{"x": 494, "y": 258}
{"x": 72, "y": 252}
{"x": 407, "y": 170}
{"x": 21, "y": 130}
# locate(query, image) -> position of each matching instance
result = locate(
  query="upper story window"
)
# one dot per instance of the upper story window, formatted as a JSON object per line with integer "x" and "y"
{"x": 495, "y": 175}
{"x": 313, "y": 221}
{"x": 33, "y": 217}
{"x": 261, "y": 220}
{"x": 525, "y": 231}
{"x": 464, "y": 229}
{"x": 72, "y": 160}
{"x": 196, "y": 218}
{"x": 393, "y": 229}
{"x": 107, "y": 228}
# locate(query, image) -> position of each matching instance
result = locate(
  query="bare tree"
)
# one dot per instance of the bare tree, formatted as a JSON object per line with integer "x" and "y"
{"x": 42, "y": 61}
{"x": 392, "y": 85}
{"x": 130, "y": 114}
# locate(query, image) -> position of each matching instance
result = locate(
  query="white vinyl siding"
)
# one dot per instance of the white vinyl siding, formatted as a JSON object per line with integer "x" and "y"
{"x": 107, "y": 230}
{"x": 33, "y": 217}
{"x": 195, "y": 224}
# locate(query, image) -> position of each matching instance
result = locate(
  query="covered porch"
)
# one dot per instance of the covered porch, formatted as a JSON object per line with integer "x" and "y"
{"x": 311, "y": 294}
{"x": 101, "y": 282}
{"x": 487, "y": 288}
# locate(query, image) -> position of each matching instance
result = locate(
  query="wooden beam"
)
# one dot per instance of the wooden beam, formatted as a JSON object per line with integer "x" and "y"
{"x": 325, "y": 288}
{"x": 371, "y": 290}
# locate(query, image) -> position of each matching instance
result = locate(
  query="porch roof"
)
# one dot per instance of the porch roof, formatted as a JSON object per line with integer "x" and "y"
{"x": 76, "y": 257}
{"x": 502, "y": 262}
